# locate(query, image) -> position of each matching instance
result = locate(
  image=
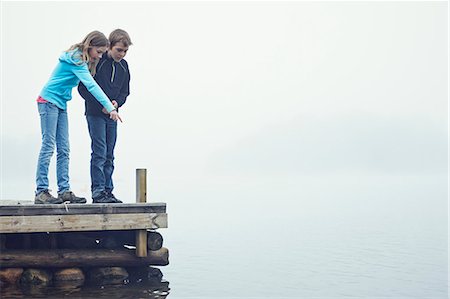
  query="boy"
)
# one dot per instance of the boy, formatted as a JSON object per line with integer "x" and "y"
{"x": 113, "y": 76}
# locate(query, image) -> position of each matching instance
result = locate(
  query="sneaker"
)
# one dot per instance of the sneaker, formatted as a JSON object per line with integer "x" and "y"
{"x": 71, "y": 197}
{"x": 45, "y": 197}
{"x": 112, "y": 197}
{"x": 103, "y": 198}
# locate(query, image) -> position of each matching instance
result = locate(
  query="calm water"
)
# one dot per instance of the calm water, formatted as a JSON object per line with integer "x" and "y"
{"x": 298, "y": 237}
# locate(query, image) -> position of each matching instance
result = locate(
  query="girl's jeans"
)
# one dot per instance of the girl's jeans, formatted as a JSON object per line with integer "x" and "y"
{"x": 55, "y": 131}
{"x": 103, "y": 132}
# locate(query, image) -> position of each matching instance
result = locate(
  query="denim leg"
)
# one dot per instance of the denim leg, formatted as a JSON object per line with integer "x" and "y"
{"x": 48, "y": 113}
{"x": 62, "y": 152}
{"x": 97, "y": 131}
{"x": 111, "y": 137}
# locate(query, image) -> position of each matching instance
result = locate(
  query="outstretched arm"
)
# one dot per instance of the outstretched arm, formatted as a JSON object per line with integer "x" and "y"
{"x": 86, "y": 78}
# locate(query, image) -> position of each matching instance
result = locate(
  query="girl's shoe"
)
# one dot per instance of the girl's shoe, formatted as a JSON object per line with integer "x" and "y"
{"x": 45, "y": 197}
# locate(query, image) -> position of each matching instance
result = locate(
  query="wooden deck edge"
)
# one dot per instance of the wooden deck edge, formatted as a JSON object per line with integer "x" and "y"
{"x": 82, "y": 222}
{"x": 75, "y": 209}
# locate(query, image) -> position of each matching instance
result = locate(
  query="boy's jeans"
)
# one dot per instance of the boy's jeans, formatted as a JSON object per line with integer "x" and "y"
{"x": 55, "y": 131}
{"x": 103, "y": 131}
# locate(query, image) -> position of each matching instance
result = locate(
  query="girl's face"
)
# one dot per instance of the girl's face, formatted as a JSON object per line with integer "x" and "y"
{"x": 96, "y": 53}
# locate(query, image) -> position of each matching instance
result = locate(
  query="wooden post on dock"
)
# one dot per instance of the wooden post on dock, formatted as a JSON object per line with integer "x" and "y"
{"x": 141, "y": 197}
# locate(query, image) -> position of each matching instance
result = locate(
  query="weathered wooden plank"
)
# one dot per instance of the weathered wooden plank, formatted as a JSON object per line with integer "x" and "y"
{"x": 75, "y": 209}
{"x": 81, "y": 258}
{"x": 84, "y": 222}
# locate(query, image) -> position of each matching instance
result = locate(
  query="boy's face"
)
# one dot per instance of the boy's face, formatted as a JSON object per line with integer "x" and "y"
{"x": 118, "y": 51}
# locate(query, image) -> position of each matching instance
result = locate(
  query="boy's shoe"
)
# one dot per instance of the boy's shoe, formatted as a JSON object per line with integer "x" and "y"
{"x": 105, "y": 197}
{"x": 102, "y": 198}
{"x": 112, "y": 197}
{"x": 71, "y": 197}
{"x": 45, "y": 197}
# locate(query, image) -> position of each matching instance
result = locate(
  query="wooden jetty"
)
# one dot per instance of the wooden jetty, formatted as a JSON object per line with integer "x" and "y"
{"x": 84, "y": 235}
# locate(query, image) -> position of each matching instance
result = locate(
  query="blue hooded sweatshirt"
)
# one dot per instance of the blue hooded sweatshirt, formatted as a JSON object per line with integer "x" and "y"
{"x": 68, "y": 73}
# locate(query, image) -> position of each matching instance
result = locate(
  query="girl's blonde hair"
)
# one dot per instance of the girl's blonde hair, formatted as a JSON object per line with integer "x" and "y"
{"x": 93, "y": 39}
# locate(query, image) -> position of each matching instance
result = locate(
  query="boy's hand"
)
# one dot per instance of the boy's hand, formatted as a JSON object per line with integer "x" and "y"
{"x": 114, "y": 116}
{"x": 115, "y": 104}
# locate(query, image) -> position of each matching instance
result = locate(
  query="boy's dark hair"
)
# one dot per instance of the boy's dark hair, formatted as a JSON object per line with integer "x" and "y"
{"x": 119, "y": 35}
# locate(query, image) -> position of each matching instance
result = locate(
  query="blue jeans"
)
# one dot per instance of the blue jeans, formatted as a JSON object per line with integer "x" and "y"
{"x": 103, "y": 132}
{"x": 55, "y": 131}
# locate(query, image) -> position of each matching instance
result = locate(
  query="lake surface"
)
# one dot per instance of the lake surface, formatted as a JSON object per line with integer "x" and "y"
{"x": 301, "y": 237}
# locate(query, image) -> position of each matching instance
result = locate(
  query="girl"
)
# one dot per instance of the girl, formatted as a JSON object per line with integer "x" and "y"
{"x": 76, "y": 64}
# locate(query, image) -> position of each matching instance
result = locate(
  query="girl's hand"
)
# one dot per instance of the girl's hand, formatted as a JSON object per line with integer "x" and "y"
{"x": 115, "y": 104}
{"x": 114, "y": 116}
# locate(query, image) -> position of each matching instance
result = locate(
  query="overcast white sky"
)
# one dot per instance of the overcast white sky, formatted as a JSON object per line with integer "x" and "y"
{"x": 233, "y": 91}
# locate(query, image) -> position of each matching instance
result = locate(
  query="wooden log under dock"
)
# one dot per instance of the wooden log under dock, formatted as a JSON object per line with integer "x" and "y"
{"x": 104, "y": 239}
{"x": 60, "y": 258}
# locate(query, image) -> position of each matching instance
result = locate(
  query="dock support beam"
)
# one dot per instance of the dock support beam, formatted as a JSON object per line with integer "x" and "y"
{"x": 62, "y": 258}
{"x": 141, "y": 197}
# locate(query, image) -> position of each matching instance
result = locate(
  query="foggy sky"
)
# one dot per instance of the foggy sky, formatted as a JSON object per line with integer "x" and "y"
{"x": 227, "y": 89}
